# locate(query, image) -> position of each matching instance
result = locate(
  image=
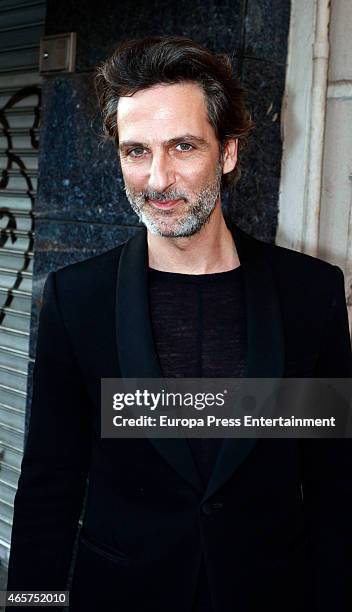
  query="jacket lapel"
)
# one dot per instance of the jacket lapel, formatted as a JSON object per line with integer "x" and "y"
{"x": 138, "y": 357}
{"x": 265, "y": 344}
{"x": 135, "y": 343}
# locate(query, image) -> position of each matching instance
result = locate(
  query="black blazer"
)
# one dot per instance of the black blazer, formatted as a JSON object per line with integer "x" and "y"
{"x": 274, "y": 522}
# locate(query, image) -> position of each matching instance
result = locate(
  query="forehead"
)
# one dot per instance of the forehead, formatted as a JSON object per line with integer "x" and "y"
{"x": 161, "y": 111}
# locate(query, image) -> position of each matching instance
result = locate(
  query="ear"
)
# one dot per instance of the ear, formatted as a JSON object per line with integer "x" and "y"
{"x": 230, "y": 155}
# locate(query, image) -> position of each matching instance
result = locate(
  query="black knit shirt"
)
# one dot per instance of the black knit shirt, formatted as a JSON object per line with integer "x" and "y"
{"x": 199, "y": 331}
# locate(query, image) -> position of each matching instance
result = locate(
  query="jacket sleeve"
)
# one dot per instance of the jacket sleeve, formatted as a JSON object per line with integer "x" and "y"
{"x": 335, "y": 359}
{"x": 327, "y": 475}
{"x": 55, "y": 463}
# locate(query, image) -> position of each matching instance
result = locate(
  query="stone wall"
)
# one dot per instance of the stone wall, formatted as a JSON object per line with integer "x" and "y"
{"x": 81, "y": 209}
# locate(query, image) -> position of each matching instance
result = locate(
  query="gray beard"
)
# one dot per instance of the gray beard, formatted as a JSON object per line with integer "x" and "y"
{"x": 195, "y": 218}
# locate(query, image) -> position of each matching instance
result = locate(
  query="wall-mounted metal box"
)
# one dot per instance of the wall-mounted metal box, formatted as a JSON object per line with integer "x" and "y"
{"x": 58, "y": 53}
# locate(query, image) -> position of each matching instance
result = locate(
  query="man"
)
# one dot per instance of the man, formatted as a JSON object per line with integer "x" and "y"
{"x": 170, "y": 525}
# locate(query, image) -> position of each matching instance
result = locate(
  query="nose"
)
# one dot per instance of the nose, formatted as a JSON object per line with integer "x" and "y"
{"x": 161, "y": 173}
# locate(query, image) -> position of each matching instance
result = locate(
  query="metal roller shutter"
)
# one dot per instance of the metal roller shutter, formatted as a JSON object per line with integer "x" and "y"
{"x": 21, "y": 26}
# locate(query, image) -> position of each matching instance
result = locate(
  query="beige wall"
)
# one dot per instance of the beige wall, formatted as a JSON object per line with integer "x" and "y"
{"x": 335, "y": 232}
{"x": 316, "y": 178}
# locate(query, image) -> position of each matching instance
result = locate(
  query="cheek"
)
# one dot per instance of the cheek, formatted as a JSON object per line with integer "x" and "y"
{"x": 136, "y": 175}
{"x": 195, "y": 174}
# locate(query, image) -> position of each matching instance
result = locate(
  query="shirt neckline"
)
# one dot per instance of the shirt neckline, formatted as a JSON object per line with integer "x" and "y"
{"x": 194, "y": 278}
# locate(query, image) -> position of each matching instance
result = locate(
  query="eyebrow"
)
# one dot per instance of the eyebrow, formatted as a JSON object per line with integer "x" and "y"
{"x": 189, "y": 137}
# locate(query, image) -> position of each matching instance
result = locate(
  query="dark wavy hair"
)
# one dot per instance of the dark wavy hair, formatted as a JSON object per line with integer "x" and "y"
{"x": 139, "y": 64}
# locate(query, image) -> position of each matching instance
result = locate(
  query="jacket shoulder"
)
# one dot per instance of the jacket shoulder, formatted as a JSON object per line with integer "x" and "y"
{"x": 91, "y": 264}
{"x": 283, "y": 259}
{"x": 290, "y": 261}
{"x": 304, "y": 282}
{"x": 88, "y": 281}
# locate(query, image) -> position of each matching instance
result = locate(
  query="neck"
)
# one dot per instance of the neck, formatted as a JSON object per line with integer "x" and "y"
{"x": 211, "y": 250}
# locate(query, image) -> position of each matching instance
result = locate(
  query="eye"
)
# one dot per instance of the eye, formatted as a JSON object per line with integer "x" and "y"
{"x": 185, "y": 147}
{"x": 136, "y": 152}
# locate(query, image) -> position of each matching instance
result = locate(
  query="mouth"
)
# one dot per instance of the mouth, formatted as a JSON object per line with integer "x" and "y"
{"x": 165, "y": 204}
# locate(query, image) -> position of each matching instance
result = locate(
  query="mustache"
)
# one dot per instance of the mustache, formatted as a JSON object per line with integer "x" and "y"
{"x": 162, "y": 196}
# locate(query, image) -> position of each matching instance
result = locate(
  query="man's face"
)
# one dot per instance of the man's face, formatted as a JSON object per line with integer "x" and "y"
{"x": 170, "y": 158}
